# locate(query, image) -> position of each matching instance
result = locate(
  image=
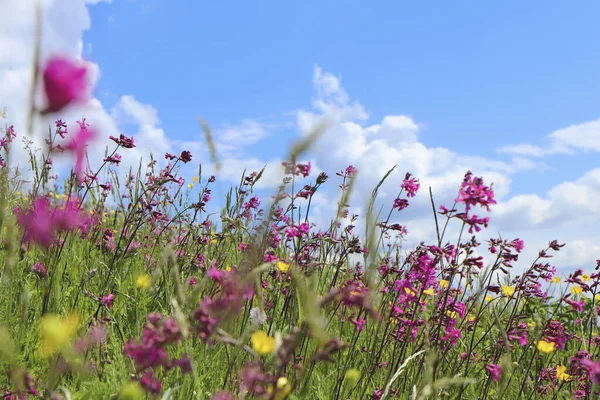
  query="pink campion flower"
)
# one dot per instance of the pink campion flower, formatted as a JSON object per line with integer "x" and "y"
{"x": 411, "y": 185}
{"x": 185, "y": 156}
{"x": 473, "y": 191}
{"x": 593, "y": 368}
{"x": 79, "y": 145}
{"x": 292, "y": 232}
{"x": 114, "y": 159}
{"x": 474, "y": 221}
{"x": 494, "y": 370}
{"x": 304, "y": 169}
{"x": 39, "y": 269}
{"x": 303, "y": 228}
{"x": 38, "y": 223}
{"x": 350, "y": 171}
{"x": 400, "y": 204}
{"x": 107, "y": 300}
{"x": 359, "y": 323}
{"x": 64, "y": 83}
{"x": 123, "y": 141}
{"x": 518, "y": 245}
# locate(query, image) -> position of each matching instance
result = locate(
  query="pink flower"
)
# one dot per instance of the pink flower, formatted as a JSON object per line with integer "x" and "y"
{"x": 107, "y": 300}
{"x": 64, "y": 83}
{"x": 79, "y": 145}
{"x": 494, "y": 370}
{"x": 39, "y": 269}
{"x": 38, "y": 223}
{"x": 411, "y": 185}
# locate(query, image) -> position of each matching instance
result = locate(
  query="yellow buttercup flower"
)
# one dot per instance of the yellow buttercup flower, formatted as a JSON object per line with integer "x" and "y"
{"x": 143, "y": 281}
{"x": 213, "y": 241}
{"x": 561, "y": 373}
{"x": 409, "y": 292}
{"x": 546, "y": 347}
{"x": 191, "y": 185}
{"x": 195, "y": 179}
{"x": 556, "y": 279}
{"x": 262, "y": 343}
{"x": 227, "y": 268}
{"x": 57, "y": 196}
{"x": 576, "y": 290}
{"x": 452, "y": 314}
{"x": 282, "y": 266}
{"x": 429, "y": 291}
{"x": 597, "y": 297}
{"x": 488, "y": 298}
{"x": 56, "y": 333}
{"x": 508, "y": 291}
{"x": 585, "y": 277}
{"x": 444, "y": 283}
{"x": 283, "y": 389}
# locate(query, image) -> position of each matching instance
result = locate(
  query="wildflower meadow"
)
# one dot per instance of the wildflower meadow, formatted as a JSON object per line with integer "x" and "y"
{"x": 131, "y": 288}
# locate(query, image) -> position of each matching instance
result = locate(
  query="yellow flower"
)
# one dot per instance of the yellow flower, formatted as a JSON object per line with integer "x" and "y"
{"x": 282, "y": 266}
{"x": 508, "y": 291}
{"x": 471, "y": 318}
{"x": 18, "y": 193}
{"x": 409, "y": 292}
{"x": 64, "y": 196}
{"x": 262, "y": 343}
{"x": 488, "y": 298}
{"x": 576, "y": 290}
{"x": 531, "y": 324}
{"x": 227, "y": 268}
{"x": 429, "y": 291}
{"x": 191, "y": 185}
{"x": 213, "y": 241}
{"x": 556, "y": 279}
{"x": 195, "y": 179}
{"x": 283, "y": 389}
{"x": 57, "y": 196}
{"x": 56, "y": 333}
{"x": 546, "y": 347}
{"x": 561, "y": 373}
{"x": 452, "y": 314}
{"x": 143, "y": 281}
{"x": 585, "y": 277}
{"x": 444, "y": 283}
{"x": 597, "y": 297}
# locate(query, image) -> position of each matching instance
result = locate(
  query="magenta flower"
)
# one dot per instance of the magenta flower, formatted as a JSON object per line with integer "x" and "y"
{"x": 79, "y": 145}
{"x": 64, "y": 83}
{"x": 411, "y": 185}
{"x": 473, "y": 191}
{"x": 494, "y": 370}
{"x": 39, "y": 269}
{"x": 37, "y": 223}
{"x": 593, "y": 368}
{"x": 107, "y": 300}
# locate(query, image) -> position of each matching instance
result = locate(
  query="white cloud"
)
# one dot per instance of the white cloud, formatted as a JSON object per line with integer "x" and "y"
{"x": 583, "y": 137}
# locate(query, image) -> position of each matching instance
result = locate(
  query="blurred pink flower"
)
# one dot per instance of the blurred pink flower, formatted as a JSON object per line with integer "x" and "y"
{"x": 64, "y": 83}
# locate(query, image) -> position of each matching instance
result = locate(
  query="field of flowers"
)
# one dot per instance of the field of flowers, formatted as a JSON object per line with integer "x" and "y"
{"x": 131, "y": 290}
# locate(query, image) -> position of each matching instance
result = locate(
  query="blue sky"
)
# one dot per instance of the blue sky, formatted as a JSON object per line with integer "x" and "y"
{"x": 509, "y": 90}
{"x": 476, "y": 77}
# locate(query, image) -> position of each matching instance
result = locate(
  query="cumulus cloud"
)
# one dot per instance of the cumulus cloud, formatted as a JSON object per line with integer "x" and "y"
{"x": 584, "y": 137}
